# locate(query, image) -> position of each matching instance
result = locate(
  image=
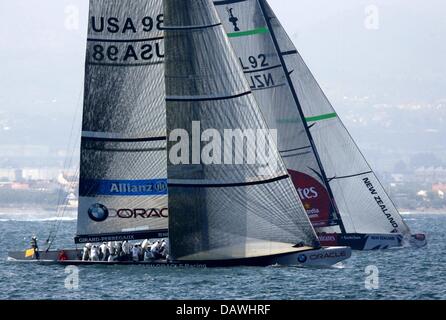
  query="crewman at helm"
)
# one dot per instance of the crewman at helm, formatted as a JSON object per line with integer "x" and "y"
{"x": 35, "y": 247}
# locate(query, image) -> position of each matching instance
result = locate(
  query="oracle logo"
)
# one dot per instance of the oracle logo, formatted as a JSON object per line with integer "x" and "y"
{"x": 99, "y": 213}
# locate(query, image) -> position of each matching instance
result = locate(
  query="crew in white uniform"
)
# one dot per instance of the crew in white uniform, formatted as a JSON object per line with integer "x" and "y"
{"x": 154, "y": 249}
{"x": 163, "y": 249}
{"x": 126, "y": 249}
{"x": 136, "y": 252}
{"x": 94, "y": 253}
{"x": 103, "y": 250}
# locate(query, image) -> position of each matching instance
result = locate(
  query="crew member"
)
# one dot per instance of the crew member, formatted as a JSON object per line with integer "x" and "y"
{"x": 155, "y": 250}
{"x": 86, "y": 252}
{"x": 62, "y": 256}
{"x": 136, "y": 252}
{"x": 94, "y": 253}
{"x": 126, "y": 249}
{"x": 163, "y": 249}
{"x": 35, "y": 247}
{"x": 103, "y": 251}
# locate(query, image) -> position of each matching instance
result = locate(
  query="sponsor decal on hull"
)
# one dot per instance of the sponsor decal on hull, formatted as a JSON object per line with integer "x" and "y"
{"x": 358, "y": 241}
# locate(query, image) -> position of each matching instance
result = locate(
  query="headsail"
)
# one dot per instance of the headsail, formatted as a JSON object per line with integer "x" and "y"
{"x": 264, "y": 69}
{"x": 362, "y": 202}
{"x": 221, "y": 211}
{"x": 123, "y": 178}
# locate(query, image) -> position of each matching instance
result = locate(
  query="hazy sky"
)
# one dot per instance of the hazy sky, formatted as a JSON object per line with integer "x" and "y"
{"x": 41, "y": 61}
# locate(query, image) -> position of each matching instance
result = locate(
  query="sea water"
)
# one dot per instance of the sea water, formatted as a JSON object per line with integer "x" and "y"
{"x": 390, "y": 274}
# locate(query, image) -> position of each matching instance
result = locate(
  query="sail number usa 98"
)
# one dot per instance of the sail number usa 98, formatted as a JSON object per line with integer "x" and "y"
{"x": 115, "y": 25}
{"x": 135, "y": 46}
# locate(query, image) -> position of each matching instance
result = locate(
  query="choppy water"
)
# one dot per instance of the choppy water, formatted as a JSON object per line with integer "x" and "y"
{"x": 403, "y": 273}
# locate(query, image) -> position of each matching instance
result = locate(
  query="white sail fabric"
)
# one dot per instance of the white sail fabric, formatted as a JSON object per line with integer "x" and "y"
{"x": 249, "y": 35}
{"x": 221, "y": 211}
{"x": 362, "y": 202}
{"x": 123, "y": 173}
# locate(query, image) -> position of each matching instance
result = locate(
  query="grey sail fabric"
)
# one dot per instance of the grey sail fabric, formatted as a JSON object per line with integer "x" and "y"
{"x": 221, "y": 210}
{"x": 249, "y": 35}
{"x": 362, "y": 202}
{"x": 123, "y": 171}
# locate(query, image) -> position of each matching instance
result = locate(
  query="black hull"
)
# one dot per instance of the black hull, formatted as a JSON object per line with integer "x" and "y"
{"x": 322, "y": 257}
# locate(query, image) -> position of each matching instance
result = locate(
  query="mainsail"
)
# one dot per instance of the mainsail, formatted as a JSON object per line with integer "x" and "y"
{"x": 263, "y": 45}
{"x": 220, "y": 210}
{"x": 123, "y": 178}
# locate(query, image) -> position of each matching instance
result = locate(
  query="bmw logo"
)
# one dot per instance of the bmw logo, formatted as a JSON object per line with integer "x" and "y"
{"x": 302, "y": 258}
{"x": 98, "y": 212}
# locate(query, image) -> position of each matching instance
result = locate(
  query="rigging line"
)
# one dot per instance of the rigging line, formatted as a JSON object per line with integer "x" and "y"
{"x": 349, "y": 176}
{"x": 296, "y": 154}
{"x": 63, "y": 210}
{"x": 295, "y": 149}
{"x": 298, "y": 105}
{"x": 67, "y": 160}
{"x": 68, "y": 164}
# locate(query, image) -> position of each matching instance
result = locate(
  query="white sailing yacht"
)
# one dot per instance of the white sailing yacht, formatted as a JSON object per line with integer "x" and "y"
{"x": 342, "y": 195}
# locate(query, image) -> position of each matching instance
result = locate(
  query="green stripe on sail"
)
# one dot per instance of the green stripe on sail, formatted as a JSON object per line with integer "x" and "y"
{"x": 248, "y": 32}
{"x": 321, "y": 117}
